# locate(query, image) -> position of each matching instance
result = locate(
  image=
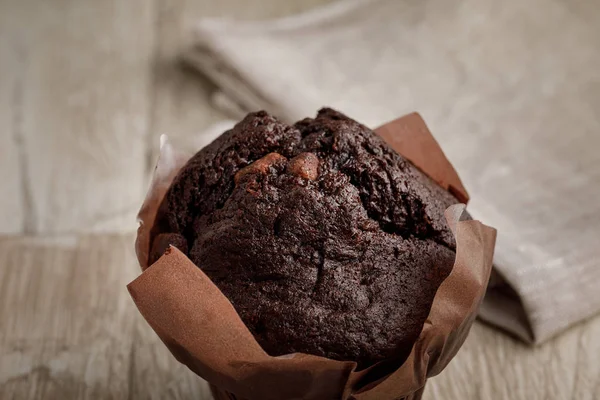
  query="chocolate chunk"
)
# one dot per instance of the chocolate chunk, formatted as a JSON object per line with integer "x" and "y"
{"x": 260, "y": 166}
{"x": 304, "y": 165}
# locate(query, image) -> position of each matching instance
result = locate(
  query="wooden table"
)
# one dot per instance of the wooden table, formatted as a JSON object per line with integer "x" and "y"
{"x": 86, "y": 88}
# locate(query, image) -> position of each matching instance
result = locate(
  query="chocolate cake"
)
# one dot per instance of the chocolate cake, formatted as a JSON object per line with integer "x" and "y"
{"x": 324, "y": 239}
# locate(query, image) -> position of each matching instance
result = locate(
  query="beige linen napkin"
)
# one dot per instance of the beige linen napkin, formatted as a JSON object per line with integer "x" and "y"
{"x": 510, "y": 89}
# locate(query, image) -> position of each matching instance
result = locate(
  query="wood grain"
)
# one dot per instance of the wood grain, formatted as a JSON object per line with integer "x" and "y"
{"x": 66, "y": 326}
{"x": 492, "y": 365}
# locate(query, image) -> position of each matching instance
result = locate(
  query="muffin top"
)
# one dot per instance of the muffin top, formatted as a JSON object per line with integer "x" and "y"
{"x": 324, "y": 239}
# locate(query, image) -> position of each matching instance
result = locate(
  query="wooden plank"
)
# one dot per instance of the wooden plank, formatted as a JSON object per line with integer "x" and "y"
{"x": 492, "y": 365}
{"x": 78, "y": 79}
{"x": 66, "y": 317}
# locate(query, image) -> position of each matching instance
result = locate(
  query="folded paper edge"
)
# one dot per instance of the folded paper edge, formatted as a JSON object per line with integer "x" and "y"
{"x": 170, "y": 160}
{"x": 440, "y": 326}
{"x": 410, "y": 137}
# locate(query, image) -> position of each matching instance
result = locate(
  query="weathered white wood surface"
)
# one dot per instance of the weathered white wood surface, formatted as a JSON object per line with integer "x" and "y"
{"x": 67, "y": 330}
{"x": 85, "y": 89}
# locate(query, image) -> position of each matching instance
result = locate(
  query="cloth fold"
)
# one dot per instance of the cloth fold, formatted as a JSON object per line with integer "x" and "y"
{"x": 511, "y": 91}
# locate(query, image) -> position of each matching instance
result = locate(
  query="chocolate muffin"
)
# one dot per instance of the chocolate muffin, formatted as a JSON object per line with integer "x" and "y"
{"x": 324, "y": 239}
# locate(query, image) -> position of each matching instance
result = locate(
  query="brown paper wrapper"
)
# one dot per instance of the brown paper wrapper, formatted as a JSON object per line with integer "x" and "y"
{"x": 203, "y": 331}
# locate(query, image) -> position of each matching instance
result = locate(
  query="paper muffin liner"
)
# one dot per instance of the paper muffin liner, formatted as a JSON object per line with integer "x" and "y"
{"x": 203, "y": 331}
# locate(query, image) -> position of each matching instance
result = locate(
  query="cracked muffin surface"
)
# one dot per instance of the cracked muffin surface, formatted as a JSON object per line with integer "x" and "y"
{"x": 324, "y": 239}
